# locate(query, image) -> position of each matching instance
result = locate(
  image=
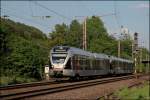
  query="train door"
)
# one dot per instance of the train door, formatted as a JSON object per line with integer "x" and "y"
{"x": 111, "y": 70}
{"x": 75, "y": 63}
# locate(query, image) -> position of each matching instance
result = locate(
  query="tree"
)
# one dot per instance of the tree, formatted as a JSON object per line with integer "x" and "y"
{"x": 24, "y": 51}
{"x": 74, "y": 38}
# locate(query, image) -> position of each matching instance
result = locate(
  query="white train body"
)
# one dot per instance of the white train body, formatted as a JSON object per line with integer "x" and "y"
{"x": 71, "y": 62}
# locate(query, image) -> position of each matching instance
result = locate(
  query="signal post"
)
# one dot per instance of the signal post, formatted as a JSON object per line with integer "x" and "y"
{"x": 135, "y": 51}
{"x": 46, "y": 72}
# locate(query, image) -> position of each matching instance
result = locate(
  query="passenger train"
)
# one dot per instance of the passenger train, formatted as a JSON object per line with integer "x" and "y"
{"x": 73, "y": 62}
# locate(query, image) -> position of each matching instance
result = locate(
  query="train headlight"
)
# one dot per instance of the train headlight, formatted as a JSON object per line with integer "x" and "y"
{"x": 52, "y": 66}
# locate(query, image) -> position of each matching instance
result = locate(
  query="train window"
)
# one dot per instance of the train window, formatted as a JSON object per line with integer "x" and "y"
{"x": 81, "y": 61}
{"x": 95, "y": 63}
{"x": 58, "y": 59}
{"x": 49, "y": 63}
{"x": 75, "y": 61}
{"x": 89, "y": 63}
{"x": 68, "y": 65}
{"x": 121, "y": 64}
{"x": 99, "y": 64}
{"x": 124, "y": 65}
{"x": 127, "y": 66}
{"x": 96, "y": 67}
{"x": 104, "y": 64}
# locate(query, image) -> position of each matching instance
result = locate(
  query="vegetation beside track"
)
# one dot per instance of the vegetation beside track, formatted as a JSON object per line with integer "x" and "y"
{"x": 135, "y": 93}
{"x": 24, "y": 52}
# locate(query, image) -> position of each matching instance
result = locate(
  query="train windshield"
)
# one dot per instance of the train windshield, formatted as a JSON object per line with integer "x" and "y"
{"x": 58, "y": 58}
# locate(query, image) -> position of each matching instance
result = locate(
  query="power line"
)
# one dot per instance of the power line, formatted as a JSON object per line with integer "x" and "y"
{"x": 90, "y": 10}
{"x": 23, "y": 18}
{"x": 40, "y": 17}
{"x": 13, "y": 11}
{"x": 52, "y": 11}
{"x": 30, "y": 8}
{"x": 109, "y": 14}
{"x": 115, "y": 15}
{"x": 103, "y": 15}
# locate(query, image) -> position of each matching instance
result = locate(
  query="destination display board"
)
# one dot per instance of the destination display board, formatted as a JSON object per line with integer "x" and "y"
{"x": 59, "y": 55}
{"x": 60, "y": 49}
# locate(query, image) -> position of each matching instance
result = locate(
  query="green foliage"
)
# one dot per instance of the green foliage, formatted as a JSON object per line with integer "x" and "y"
{"x": 126, "y": 47}
{"x": 75, "y": 35}
{"x": 22, "y": 55}
{"x": 21, "y": 29}
{"x": 141, "y": 93}
{"x": 7, "y": 80}
{"x": 98, "y": 39}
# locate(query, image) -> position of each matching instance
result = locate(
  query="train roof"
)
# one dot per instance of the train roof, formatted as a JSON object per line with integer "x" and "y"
{"x": 121, "y": 59}
{"x": 100, "y": 55}
{"x": 78, "y": 51}
{"x": 87, "y": 53}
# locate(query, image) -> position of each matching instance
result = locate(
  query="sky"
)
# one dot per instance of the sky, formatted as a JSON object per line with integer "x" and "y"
{"x": 132, "y": 15}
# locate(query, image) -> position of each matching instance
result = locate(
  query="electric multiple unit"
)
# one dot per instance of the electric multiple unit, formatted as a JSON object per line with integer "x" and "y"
{"x": 73, "y": 62}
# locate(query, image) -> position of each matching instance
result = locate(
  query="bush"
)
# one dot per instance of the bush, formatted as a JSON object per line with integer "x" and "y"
{"x": 141, "y": 93}
{"x": 15, "y": 80}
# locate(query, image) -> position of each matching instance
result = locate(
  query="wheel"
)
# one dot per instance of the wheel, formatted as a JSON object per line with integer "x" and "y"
{"x": 77, "y": 77}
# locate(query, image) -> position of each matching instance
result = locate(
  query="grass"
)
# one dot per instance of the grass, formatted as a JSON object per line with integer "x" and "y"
{"x": 140, "y": 93}
{"x": 5, "y": 80}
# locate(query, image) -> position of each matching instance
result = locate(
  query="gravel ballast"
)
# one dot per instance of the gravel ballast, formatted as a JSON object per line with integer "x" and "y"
{"x": 91, "y": 92}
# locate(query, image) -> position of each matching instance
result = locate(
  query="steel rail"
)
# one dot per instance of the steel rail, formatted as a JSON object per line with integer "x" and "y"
{"x": 25, "y": 85}
{"x": 67, "y": 86}
{"x": 32, "y": 84}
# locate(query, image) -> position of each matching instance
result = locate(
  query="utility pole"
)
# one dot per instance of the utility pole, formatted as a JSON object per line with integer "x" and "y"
{"x": 84, "y": 38}
{"x": 147, "y": 59}
{"x": 84, "y": 35}
{"x": 141, "y": 59}
{"x": 135, "y": 50}
{"x": 118, "y": 48}
{"x": 132, "y": 49}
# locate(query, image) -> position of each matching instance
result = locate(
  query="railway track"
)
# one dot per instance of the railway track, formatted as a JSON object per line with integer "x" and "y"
{"x": 25, "y": 85}
{"x": 32, "y": 84}
{"x": 60, "y": 87}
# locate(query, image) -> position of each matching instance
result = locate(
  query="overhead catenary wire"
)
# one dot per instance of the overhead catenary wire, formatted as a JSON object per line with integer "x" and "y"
{"x": 103, "y": 15}
{"x": 24, "y": 19}
{"x": 116, "y": 17}
{"x": 50, "y": 10}
{"x": 29, "y": 20}
{"x": 35, "y": 16}
{"x": 31, "y": 8}
{"x": 14, "y": 11}
{"x": 89, "y": 10}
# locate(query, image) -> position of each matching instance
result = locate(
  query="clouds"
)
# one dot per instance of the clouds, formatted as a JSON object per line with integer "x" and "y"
{"x": 143, "y": 5}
